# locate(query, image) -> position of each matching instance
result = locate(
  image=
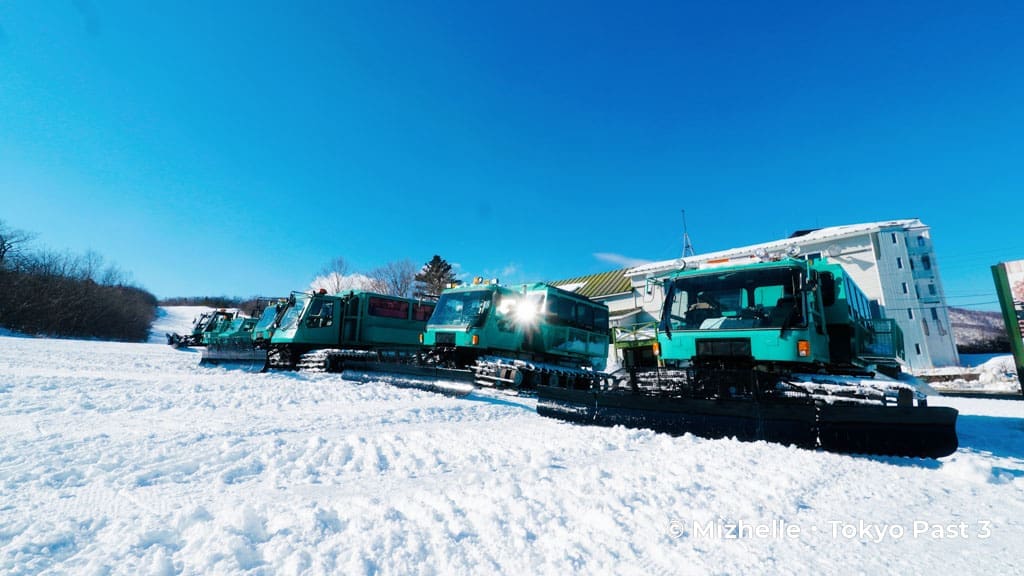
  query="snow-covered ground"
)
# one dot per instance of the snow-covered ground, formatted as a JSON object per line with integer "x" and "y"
{"x": 129, "y": 458}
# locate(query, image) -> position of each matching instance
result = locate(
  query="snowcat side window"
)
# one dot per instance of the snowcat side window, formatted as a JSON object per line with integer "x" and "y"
{"x": 422, "y": 312}
{"x": 584, "y": 316}
{"x": 313, "y": 315}
{"x": 828, "y": 288}
{"x": 565, "y": 311}
{"x": 676, "y": 304}
{"x": 530, "y": 308}
{"x": 327, "y": 314}
{"x": 505, "y": 305}
{"x": 321, "y": 313}
{"x": 601, "y": 319}
{"x": 388, "y": 308}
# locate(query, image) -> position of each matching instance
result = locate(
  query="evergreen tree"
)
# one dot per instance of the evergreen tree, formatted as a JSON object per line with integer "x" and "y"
{"x": 435, "y": 276}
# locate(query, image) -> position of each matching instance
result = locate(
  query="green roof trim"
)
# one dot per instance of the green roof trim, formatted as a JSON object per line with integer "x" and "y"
{"x": 599, "y": 285}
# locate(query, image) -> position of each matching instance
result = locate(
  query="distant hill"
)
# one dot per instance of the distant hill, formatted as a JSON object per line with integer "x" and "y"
{"x": 978, "y": 332}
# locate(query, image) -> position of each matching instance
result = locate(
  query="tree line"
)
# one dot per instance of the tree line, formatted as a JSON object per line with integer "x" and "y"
{"x": 80, "y": 295}
{"x": 70, "y": 295}
{"x": 400, "y": 278}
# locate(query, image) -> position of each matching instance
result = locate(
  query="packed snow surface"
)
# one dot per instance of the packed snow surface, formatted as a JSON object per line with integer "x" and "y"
{"x": 131, "y": 459}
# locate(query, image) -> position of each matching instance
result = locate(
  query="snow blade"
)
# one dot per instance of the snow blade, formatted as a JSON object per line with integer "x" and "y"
{"x": 888, "y": 430}
{"x": 240, "y": 358}
{"x": 785, "y": 423}
{"x": 442, "y": 380}
{"x": 921, "y": 431}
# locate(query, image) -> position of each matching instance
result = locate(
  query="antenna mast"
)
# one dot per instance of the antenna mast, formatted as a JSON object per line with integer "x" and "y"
{"x": 687, "y": 245}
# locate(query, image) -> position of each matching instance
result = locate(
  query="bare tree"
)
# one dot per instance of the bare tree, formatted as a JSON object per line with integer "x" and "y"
{"x": 89, "y": 265}
{"x": 332, "y": 276}
{"x": 335, "y": 278}
{"x": 113, "y": 276}
{"x": 12, "y": 241}
{"x": 395, "y": 278}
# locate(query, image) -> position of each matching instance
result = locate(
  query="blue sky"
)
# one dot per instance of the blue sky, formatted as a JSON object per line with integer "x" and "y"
{"x": 234, "y": 148}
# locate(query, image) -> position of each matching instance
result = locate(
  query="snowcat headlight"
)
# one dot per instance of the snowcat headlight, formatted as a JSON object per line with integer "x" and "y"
{"x": 657, "y": 349}
{"x": 421, "y": 337}
{"x": 803, "y": 348}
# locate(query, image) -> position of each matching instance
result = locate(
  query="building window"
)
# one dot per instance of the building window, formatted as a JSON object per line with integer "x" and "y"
{"x": 911, "y": 263}
{"x": 917, "y": 348}
{"x": 926, "y": 262}
{"x": 910, "y": 313}
{"x": 899, "y": 262}
{"x": 920, "y": 241}
{"x": 906, "y": 289}
{"x": 893, "y": 237}
{"x": 935, "y": 313}
{"x": 931, "y": 289}
{"x": 924, "y": 326}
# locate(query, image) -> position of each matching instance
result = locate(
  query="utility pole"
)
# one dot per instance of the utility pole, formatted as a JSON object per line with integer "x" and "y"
{"x": 687, "y": 245}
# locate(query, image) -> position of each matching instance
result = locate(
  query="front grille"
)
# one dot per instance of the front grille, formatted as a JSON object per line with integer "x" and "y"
{"x": 444, "y": 338}
{"x": 724, "y": 347}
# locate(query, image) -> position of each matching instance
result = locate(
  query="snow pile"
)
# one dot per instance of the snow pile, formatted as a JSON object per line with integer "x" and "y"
{"x": 994, "y": 373}
{"x": 174, "y": 320}
{"x": 129, "y": 458}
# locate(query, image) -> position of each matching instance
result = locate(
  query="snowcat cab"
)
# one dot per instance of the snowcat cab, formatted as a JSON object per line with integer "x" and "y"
{"x": 790, "y": 314}
{"x": 517, "y": 336}
{"x": 268, "y": 322}
{"x": 202, "y": 325}
{"x": 786, "y": 351}
{"x": 328, "y": 328}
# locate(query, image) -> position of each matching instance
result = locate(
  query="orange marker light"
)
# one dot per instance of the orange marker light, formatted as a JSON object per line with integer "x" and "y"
{"x": 657, "y": 349}
{"x": 476, "y": 339}
{"x": 803, "y": 348}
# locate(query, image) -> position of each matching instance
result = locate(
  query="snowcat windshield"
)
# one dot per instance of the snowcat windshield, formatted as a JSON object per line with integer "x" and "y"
{"x": 291, "y": 317}
{"x": 268, "y": 317}
{"x": 736, "y": 299}
{"x": 462, "y": 309}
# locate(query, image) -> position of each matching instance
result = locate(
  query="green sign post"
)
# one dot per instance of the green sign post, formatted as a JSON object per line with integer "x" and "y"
{"x": 1009, "y": 277}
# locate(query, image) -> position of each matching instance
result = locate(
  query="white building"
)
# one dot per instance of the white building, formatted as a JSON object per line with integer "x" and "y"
{"x": 893, "y": 263}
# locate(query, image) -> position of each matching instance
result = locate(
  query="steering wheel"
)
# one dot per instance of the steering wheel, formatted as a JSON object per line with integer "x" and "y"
{"x": 753, "y": 312}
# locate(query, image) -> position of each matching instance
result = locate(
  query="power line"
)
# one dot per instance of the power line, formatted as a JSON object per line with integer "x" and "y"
{"x": 976, "y": 304}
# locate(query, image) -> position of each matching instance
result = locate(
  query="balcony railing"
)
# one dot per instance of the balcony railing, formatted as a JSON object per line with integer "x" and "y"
{"x": 635, "y": 335}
